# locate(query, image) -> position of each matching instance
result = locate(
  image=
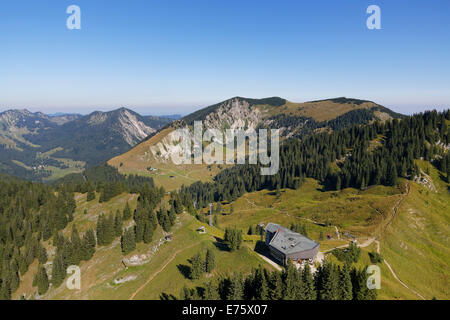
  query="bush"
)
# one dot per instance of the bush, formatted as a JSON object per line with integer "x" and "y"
{"x": 375, "y": 257}
{"x": 348, "y": 255}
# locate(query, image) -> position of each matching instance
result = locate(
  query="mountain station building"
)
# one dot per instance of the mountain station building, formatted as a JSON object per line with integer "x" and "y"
{"x": 285, "y": 244}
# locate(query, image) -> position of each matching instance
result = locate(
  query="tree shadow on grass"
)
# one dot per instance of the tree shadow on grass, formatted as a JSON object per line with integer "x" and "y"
{"x": 220, "y": 244}
{"x": 184, "y": 270}
{"x": 165, "y": 296}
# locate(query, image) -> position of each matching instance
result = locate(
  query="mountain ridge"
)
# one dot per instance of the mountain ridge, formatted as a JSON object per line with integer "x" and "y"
{"x": 294, "y": 120}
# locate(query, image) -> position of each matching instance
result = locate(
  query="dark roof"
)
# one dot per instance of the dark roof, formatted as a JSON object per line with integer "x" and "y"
{"x": 287, "y": 241}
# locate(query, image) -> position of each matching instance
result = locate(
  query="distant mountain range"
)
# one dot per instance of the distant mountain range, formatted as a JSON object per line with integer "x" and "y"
{"x": 39, "y": 147}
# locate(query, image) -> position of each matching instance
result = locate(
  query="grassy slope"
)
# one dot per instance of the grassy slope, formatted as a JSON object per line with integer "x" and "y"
{"x": 320, "y": 110}
{"x": 417, "y": 243}
{"x": 351, "y": 210}
{"x": 415, "y": 240}
{"x": 138, "y": 159}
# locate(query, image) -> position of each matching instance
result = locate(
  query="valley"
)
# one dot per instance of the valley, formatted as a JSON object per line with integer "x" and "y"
{"x": 47, "y": 147}
{"x": 376, "y": 179}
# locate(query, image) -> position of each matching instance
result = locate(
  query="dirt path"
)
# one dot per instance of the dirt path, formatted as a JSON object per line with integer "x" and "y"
{"x": 401, "y": 282}
{"x": 395, "y": 209}
{"x": 397, "y": 205}
{"x": 272, "y": 263}
{"x": 369, "y": 241}
{"x": 161, "y": 269}
{"x": 337, "y": 233}
{"x": 366, "y": 243}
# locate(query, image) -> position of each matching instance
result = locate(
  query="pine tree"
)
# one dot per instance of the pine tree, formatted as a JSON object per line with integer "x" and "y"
{"x": 172, "y": 216}
{"x": 90, "y": 195}
{"x": 88, "y": 245}
{"x": 210, "y": 261}
{"x": 118, "y": 224}
{"x": 275, "y": 286}
{"x": 41, "y": 280}
{"x": 308, "y": 283}
{"x": 101, "y": 230}
{"x": 260, "y": 284}
{"x": 148, "y": 231}
{"x": 345, "y": 283}
{"x": 236, "y": 287}
{"x": 391, "y": 176}
{"x": 42, "y": 254}
{"x": 211, "y": 291}
{"x": 128, "y": 241}
{"x": 233, "y": 238}
{"x": 216, "y": 221}
{"x": 127, "y": 212}
{"x": 327, "y": 282}
{"x": 58, "y": 271}
{"x": 289, "y": 281}
{"x": 76, "y": 247}
{"x": 197, "y": 266}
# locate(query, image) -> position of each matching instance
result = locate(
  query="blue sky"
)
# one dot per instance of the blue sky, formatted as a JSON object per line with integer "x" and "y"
{"x": 166, "y": 56}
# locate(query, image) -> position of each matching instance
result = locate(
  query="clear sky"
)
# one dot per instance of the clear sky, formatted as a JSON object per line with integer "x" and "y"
{"x": 167, "y": 56}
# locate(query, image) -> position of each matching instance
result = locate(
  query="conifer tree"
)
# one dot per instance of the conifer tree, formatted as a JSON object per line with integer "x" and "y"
{"x": 41, "y": 280}
{"x": 391, "y": 176}
{"x": 101, "y": 230}
{"x": 216, "y": 221}
{"x": 289, "y": 279}
{"x": 236, "y": 287}
{"x": 197, "y": 266}
{"x": 345, "y": 283}
{"x": 210, "y": 261}
{"x": 90, "y": 195}
{"x": 88, "y": 245}
{"x": 58, "y": 271}
{"x": 148, "y": 231}
{"x": 211, "y": 291}
{"x": 260, "y": 284}
{"x": 42, "y": 254}
{"x": 127, "y": 212}
{"x": 308, "y": 283}
{"x": 327, "y": 282}
{"x": 172, "y": 216}
{"x": 118, "y": 223}
{"x": 76, "y": 246}
{"x": 128, "y": 241}
{"x": 275, "y": 286}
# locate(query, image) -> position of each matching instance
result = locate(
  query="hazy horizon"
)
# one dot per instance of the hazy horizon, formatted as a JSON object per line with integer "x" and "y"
{"x": 175, "y": 57}
{"x": 156, "y": 110}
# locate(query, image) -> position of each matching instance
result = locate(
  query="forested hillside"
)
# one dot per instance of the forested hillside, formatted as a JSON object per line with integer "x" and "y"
{"x": 358, "y": 157}
{"x": 34, "y": 216}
